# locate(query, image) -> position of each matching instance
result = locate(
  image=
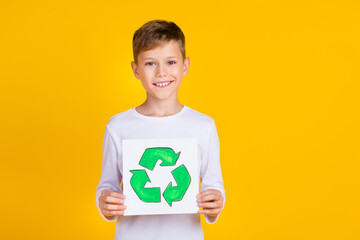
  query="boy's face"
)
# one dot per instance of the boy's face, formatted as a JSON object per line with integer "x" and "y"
{"x": 163, "y": 64}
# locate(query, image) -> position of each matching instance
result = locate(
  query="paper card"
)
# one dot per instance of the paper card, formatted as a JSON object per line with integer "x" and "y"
{"x": 160, "y": 176}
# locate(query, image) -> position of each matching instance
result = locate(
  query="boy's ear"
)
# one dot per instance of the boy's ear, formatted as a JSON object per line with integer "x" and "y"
{"x": 135, "y": 69}
{"x": 186, "y": 66}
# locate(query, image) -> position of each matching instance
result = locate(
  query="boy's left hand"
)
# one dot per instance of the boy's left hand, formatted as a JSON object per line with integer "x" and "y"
{"x": 211, "y": 201}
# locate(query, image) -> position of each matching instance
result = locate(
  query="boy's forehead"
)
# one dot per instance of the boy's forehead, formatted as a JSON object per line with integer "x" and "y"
{"x": 167, "y": 49}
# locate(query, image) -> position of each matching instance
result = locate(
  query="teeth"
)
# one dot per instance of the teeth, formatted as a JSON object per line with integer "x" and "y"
{"x": 162, "y": 84}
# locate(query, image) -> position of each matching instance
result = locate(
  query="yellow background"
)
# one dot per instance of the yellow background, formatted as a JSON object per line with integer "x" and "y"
{"x": 280, "y": 78}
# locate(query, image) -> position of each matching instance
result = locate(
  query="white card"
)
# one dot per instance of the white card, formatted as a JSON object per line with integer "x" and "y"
{"x": 160, "y": 176}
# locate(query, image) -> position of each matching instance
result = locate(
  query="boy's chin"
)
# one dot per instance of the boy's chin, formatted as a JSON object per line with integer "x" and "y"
{"x": 164, "y": 96}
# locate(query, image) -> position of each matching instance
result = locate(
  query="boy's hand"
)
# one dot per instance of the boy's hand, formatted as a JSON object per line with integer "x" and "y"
{"x": 111, "y": 203}
{"x": 211, "y": 201}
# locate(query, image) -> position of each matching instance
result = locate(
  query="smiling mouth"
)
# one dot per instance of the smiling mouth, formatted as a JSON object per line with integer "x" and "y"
{"x": 162, "y": 84}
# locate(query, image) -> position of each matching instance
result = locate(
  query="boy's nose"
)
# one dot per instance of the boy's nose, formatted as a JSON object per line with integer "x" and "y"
{"x": 161, "y": 70}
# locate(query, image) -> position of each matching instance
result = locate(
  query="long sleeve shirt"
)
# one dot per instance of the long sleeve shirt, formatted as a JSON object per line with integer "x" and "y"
{"x": 187, "y": 123}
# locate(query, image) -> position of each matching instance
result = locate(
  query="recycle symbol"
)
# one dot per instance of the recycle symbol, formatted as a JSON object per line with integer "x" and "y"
{"x": 140, "y": 177}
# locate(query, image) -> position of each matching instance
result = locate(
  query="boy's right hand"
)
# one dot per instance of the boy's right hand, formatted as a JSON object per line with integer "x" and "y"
{"x": 111, "y": 203}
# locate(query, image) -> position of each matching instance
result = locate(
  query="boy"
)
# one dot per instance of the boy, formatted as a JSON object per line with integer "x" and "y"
{"x": 160, "y": 64}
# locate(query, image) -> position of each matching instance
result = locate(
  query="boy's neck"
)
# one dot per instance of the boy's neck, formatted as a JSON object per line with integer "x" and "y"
{"x": 159, "y": 108}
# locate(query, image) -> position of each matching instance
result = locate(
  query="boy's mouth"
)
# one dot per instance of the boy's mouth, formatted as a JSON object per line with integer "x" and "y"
{"x": 162, "y": 84}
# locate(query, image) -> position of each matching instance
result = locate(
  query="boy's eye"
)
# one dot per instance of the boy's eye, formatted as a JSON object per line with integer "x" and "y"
{"x": 152, "y": 63}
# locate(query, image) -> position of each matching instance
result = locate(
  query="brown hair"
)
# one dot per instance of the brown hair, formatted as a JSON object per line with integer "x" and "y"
{"x": 154, "y": 33}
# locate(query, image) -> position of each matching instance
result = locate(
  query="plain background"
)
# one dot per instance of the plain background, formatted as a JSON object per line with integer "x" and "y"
{"x": 280, "y": 78}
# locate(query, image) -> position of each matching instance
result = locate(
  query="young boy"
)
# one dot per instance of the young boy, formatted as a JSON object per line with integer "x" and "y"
{"x": 160, "y": 64}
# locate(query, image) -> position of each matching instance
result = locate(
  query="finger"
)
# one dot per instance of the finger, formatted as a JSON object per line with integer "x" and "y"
{"x": 209, "y": 211}
{"x": 112, "y": 213}
{"x": 216, "y": 204}
{"x": 108, "y": 192}
{"x": 210, "y": 197}
{"x": 112, "y": 206}
{"x": 110, "y": 199}
{"x": 207, "y": 192}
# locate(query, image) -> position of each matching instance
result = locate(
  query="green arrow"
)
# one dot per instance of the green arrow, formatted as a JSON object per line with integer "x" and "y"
{"x": 182, "y": 178}
{"x": 138, "y": 181}
{"x": 152, "y": 155}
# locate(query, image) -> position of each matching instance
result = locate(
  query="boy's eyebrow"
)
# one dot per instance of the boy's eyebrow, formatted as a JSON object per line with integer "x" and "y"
{"x": 166, "y": 57}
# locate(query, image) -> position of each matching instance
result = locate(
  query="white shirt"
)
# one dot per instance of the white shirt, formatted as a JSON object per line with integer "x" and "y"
{"x": 187, "y": 123}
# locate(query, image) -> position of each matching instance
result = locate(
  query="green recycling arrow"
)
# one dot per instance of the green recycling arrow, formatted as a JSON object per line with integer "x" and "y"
{"x": 182, "y": 178}
{"x": 152, "y": 155}
{"x": 138, "y": 181}
{"x": 140, "y": 177}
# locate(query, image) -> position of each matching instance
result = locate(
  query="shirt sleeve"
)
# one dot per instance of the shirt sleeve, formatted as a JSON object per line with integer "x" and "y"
{"x": 210, "y": 174}
{"x": 110, "y": 173}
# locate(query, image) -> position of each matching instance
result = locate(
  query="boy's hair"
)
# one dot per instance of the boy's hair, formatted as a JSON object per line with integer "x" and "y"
{"x": 155, "y": 33}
